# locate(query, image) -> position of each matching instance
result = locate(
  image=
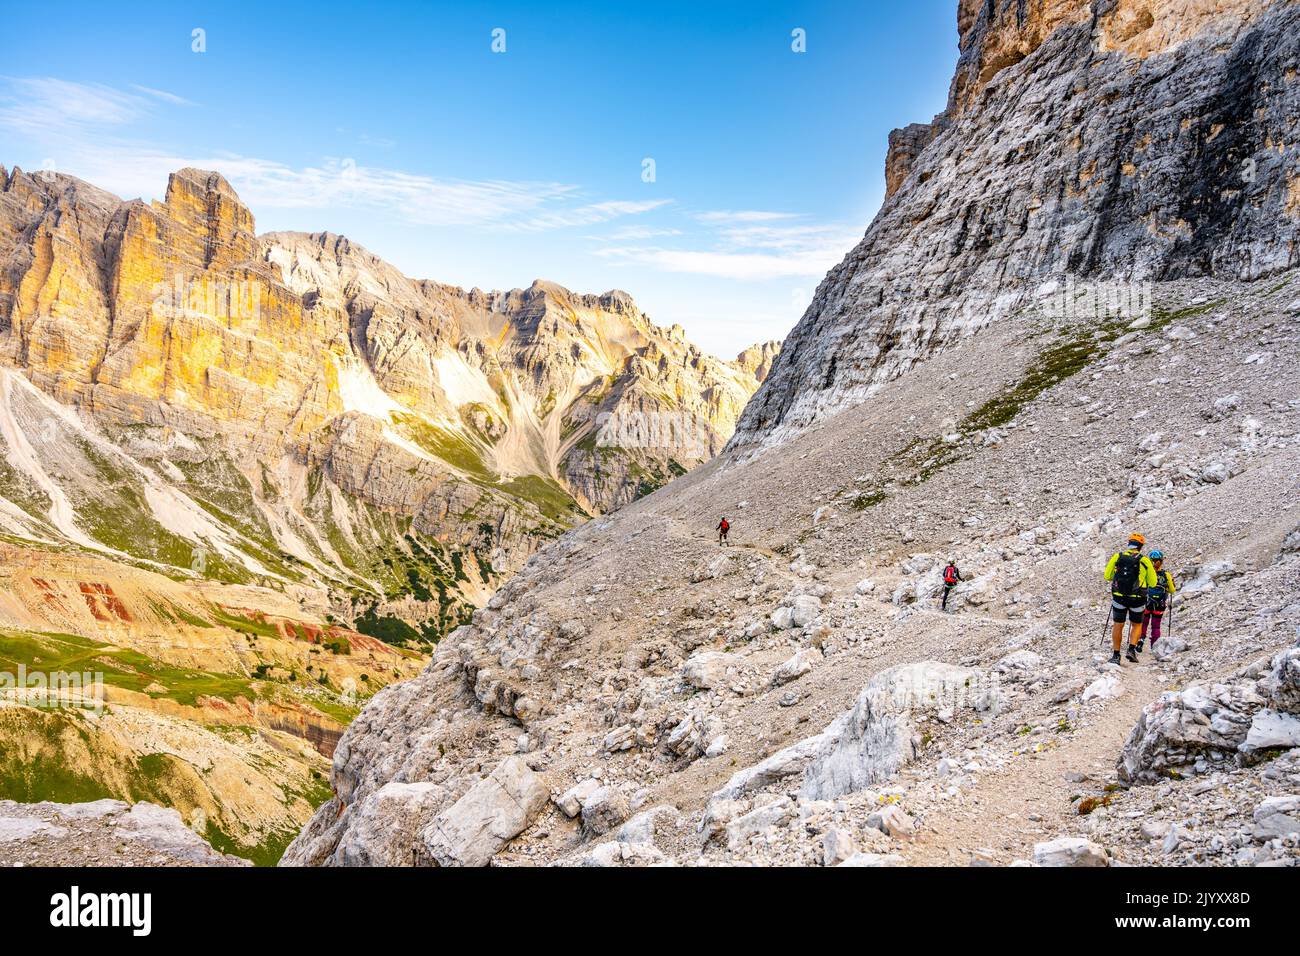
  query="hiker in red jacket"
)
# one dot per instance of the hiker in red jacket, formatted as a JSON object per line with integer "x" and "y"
{"x": 950, "y": 578}
{"x": 722, "y": 529}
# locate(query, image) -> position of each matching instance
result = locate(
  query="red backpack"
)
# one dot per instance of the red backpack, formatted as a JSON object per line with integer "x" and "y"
{"x": 724, "y": 527}
{"x": 950, "y": 575}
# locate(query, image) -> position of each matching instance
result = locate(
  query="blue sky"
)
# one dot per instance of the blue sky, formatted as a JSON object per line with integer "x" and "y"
{"x": 398, "y": 126}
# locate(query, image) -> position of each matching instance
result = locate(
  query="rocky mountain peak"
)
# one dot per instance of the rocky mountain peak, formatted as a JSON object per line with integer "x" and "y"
{"x": 215, "y": 225}
{"x": 757, "y": 359}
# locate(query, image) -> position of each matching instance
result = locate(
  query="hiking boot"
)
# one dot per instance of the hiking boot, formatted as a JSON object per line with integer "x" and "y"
{"x": 1140, "y": 643}
{"x": 1132, "y": 653}
{"x": 1114, "y": 658}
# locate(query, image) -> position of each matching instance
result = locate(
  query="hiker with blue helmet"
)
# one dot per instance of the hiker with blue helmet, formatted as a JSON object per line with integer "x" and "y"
{"x": 1158, "y": 596}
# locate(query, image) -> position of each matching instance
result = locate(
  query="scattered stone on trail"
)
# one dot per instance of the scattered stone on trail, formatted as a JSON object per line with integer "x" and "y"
{"x": 1105, "y": 687}
{"x": 604, "y": 809}
{"x": 1070, "y": 851}
{"x": 794, "y": 667}
{"x": 570, "y": 802}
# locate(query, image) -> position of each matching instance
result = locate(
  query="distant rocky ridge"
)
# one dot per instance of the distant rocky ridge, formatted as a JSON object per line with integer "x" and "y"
{"x": 1128, "y": 141}
{"x": 298, "y": 411}
{"x": 247, "y": 481}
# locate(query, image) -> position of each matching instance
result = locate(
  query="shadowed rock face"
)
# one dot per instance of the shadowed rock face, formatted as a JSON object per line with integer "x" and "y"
{"x": 1130, "y": 141}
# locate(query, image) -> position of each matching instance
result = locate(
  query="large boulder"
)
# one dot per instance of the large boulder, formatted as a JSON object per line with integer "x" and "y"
{"x": 491, "y": 813}
{"x": 102, "y": 833}
{"x": 794, "y": 667}
{"x": 1070, "y": 851}
{"x": 774, "y": 815}
{"x": 1240, "y": 721}
{"x": 604, "y": 809}
{"x": 570, "y": 802}
{"x": 717, "y": 670}
{"x": 874, "y": 739}
{"x": 1278, "y": 816}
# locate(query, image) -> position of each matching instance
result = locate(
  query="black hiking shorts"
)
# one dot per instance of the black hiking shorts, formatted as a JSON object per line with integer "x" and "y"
{"x": 1128, "y": 606}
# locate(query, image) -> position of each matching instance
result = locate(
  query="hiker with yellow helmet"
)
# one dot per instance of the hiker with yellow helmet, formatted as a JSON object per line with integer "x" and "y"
{"x": 1130, "y": 574}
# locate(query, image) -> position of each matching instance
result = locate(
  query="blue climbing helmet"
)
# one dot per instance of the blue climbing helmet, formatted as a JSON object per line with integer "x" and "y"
{"x": 1157, "y": 555}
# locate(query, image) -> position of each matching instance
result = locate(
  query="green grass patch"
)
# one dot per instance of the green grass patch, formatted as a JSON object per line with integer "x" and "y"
{"x": 551, "y": 499}
{"x": 243, "y": 624}
{"x": 1162, "y": 317}
{"x": 443, "y": 443}
{"x": 868, "y": 499}
{"x": 191, "y": 619}
{"x": 120, "y": 667}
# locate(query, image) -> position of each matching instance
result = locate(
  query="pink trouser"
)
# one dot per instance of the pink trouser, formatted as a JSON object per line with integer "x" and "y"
{"x": 1153, "y": 626}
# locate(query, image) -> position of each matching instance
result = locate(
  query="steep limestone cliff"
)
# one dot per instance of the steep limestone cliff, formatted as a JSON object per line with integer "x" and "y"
{"x": 1127, "y": 140}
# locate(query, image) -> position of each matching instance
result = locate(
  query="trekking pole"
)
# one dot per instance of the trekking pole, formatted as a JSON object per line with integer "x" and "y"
{"x": 1105, "y": 624}
{"x": 1170, "y": 621}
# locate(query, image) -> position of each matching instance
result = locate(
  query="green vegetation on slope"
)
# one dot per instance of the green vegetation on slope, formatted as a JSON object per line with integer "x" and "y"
{"x": 1069, "y": 352}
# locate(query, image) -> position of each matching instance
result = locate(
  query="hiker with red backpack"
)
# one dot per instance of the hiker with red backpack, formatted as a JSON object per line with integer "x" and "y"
{"x": 1131, "y": 575}
{"x": 950, "y": 578}
{"x": 722, "y": 529}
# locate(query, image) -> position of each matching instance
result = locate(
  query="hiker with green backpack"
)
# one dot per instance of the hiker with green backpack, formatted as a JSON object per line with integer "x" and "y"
{"x": 1159, "y": 596}
{"x": 1131, "y": 574}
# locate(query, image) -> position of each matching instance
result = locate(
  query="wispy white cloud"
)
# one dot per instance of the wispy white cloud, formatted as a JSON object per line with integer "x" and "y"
{"x": 638, "y": 233}
{"x": 745, "y": 266}
{"x": 741, "y": 215}
{"x": 81, "y": 125}
{"x": 164, "y": 96}
{"x": 586, "y": 215}
{"x": 413, "y": 198}
{"x": 37, "y": 105}
{"x": 525, "y": 206}
{"x": 748, "y": 252}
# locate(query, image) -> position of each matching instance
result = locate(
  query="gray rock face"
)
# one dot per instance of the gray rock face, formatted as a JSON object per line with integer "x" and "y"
{"x": 1030, "y": 176}
{"x": 385, "y": 830}
{"x": 873, "y": 740}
